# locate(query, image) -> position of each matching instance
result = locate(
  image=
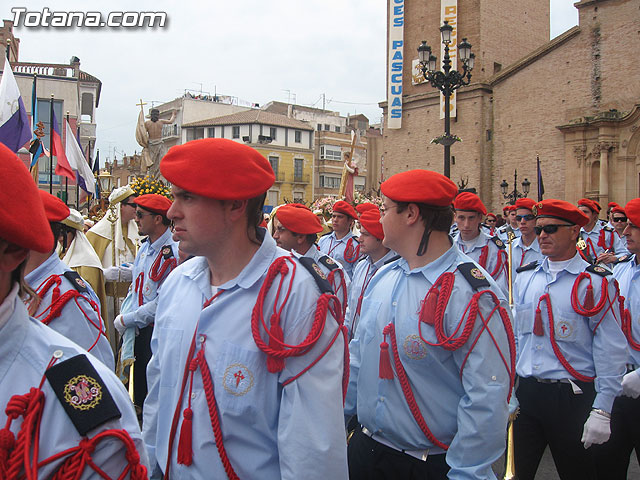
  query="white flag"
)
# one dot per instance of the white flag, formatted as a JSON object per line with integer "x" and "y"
{"x": 79, "y": 163}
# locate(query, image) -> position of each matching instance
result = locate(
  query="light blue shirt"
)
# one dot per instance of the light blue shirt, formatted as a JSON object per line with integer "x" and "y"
{"x": 591, "y": 238}
{"x": 362, "y": 275}
{"x": 469, "y": 411}
{"x": 330, "y": 245}
{"x": 503, "y": 235}
{"x": 494, "y": 255}
{"x": 26, "y": 347}
{"x": 628, "y": 276}
{"x": 72, "y": 322}
{"x": 143, "y": 315}
{"x": 270, "y": 431}
{"x": 521, "y": 255}
{"x": 315, "y": 253}
{"x": 602, "y": 353}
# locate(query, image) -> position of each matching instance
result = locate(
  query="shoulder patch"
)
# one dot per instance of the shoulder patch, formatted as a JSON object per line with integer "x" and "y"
{"x": 77, "y": 281}
{"x": 599, "y": 270}
{"x": 167, "y": 252}
{"x": 83, "y": 393}
{"x": 328, "y": 262}
{"x": 607, "y": 228}
{"x": 392, "y": 259}
{"x": 472, "y": 274}
{"x": 528, "y": 266}
{"x": 317, "y": 274}
{"x": 499, "y": 243}
{"x": 624, "y": 258}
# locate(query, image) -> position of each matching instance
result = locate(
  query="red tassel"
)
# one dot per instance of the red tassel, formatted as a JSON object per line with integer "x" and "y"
{"x": 427, "y": 313}
{"x": 589, "y": 301}
{"x": 276, "y": 337}
{"x": 185, "y": 451}
{"x": 537, "y": 324}
{"x": 384, "y": 369}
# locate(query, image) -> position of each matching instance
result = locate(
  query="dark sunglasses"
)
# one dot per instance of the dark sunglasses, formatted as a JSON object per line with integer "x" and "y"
{"x": 129, "y": 204}
{"x": 549, "y": 229}
{"x": 139, "y": 214}
{"x": 528, "y": 217}
{"x": 619, "y": 219}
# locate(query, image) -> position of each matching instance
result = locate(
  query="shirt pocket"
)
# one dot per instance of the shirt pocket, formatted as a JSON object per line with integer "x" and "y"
{"x": 412, "y": 348}
{"x": 524, "y": 318}
{"x": 571, "y": 328}
{"x": 240, "y": 379}
{"x": 367, "y": 323}
{"x": 170, "y": 344}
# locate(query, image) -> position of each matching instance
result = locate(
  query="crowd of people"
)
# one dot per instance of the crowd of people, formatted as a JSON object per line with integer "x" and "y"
{"x": 404, "y": 343}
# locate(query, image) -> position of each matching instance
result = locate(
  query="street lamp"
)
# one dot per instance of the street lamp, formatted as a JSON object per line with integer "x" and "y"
{"x": 446, "y": 80}
{"x": 511, "y": 197}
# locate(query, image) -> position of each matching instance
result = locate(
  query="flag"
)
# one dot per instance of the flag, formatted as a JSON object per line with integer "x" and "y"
{"x": 63, "y": 166}
{"x": 14, "y": 121}
{"x": 36, "y": 147}
{"x": 540, "y": 182}
{"x": 96, "y": 172}
{"x": 76, "y": 159}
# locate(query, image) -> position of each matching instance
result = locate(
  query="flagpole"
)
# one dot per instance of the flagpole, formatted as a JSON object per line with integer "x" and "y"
{"x": 66, "y": 180}
{"x": 77, "y": 189}
{"x": 34, "y": 120}
{"x": 8, "y": 49}
{"x": 51, "y": 145}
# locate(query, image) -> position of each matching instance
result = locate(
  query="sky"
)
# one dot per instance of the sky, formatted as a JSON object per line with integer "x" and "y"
{"x": 284, "y": 50}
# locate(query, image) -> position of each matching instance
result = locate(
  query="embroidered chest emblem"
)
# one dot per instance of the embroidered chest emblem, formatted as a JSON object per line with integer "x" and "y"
{"x": 476, "y": 273}
{"x": 166, "y": 251}
{"x": 598, "y": 269}
{"x": 320, "y": 273}
{"x": 147, "y": 290}
{"x": 564, "y": 329}
{"x": 82, "y": 392}
{"x": 80, "y": 283}
{"x": 414, "y": 347}
{"x": 238, "y": 379}
{"x": 499, "y": 243}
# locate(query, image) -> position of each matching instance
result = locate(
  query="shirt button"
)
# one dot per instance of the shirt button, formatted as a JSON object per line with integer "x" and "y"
{"x": 193, "y": 395}
{"x": 494, "y": 378}
{"x": 394, "y": 304}
{"x": 538, "y": 347}
{"x": 536, "y": 367}
{"x": 201, "y": 338}
{"x": 57, "y": 354}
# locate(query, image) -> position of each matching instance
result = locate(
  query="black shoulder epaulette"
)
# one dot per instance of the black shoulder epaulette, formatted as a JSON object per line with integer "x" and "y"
{"x": 607, "y": 228}
{"x": 392, "y": 259}
{"x": 316, "y": 273}
{"x": 328, "y": 262}
{"x": 145, "y": 239}
{"x": 473, "y": 275}
{"x": 77, "y": 281}
{"x": 528, "y": 266}
{"x": 599, "y": 270}
{"x": 499, "y": 243}
{"x": 624, "y": 258}
{"x": 167, "y": 252}
{"x": 83, "y": 394}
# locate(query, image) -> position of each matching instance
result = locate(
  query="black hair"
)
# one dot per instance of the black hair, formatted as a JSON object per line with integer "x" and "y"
{"x": 438, "y": 219}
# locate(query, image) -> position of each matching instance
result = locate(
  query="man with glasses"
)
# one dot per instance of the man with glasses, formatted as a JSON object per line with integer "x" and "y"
{"x": 571, "y": 350}
{"x": 157, "y": 257}
{"x": 488, "y": 252}
{"x": 525, "y": 249}
{"x": 614, "y": 455}
{"x": 619, "y": 221}
{"x": 342, "y": 244}
{"x": 598, "y": 243}
{"x": 430, "y": 388}
{"x": 490, "y": 224}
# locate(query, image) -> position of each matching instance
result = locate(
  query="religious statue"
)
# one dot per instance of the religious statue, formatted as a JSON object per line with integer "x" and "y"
{"x": 354, "y": 159}
{"x": 149, "y": 137}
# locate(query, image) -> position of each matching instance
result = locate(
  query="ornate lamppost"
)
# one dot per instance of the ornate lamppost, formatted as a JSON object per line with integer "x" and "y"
{"x": 446, "y": 80}
{"x": 511, "y": 197}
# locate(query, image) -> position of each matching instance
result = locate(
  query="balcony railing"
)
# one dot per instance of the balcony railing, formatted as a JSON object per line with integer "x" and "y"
{"x": 279, "y": 177}
{"x": 170, "y": 130}
{"x": 301, "y": 178}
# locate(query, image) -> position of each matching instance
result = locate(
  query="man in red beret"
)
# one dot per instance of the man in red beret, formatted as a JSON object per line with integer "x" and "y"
{"x": 56, "y": 400}
{"x": 571, "y": 351}
{"x": 342, "y": 244}
{"x": 525, "y": 249}
{"x": 598, "y": 243}
{"x": 296, "y": 230}
{"x": 511, "y": 226}
{"x": 490, "y": 224}
{"x": 375, "y": 255}
{"x": 65, "y": 302}
{"x": 363, "y": 207}
{"x": 155, "y": 260}
{"x": 618, "y": 218}
{"x": 424, "y": 391}
{"x": 614, "y": 456}
{"x": 248, "y": 359}
{"x": 488, "y": 252}
{"x": 610, "y": 207}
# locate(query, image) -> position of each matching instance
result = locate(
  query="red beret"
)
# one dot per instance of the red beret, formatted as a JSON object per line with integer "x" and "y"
{"x": 490, "y": 214}
{"x": 506, "y": 208}
{"x": 525, "y": 203}
{"x": 343, "y": 207}
{"x": 612, "y": 204}
{"x": 370, "y": 221}
{"x": 420, "y": 186}
{"x": 22, "y": 216}
{"x": 218, "y": 168}
{"x": 469, "y": 202}
{"x": 590, "y": 204}
{"x": 632, "y": 210}
{"x": 54, "y": 208}
{"x": 298, "y": 219}
{"x": 561, "y": 210}
{"x": 618, "y": 209}
{"x": 154, "y": 203}
{"x": 363, "y": 207}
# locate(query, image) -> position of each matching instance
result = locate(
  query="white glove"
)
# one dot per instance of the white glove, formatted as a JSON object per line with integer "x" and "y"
{"x": 119, "y": 324}
{"x": 111, "y": 274}
{"x": 631, "y": 384}
{"x": 118, "y": 274}
{"x": 126, "y": 272}
{"x": 597, "y": 429}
